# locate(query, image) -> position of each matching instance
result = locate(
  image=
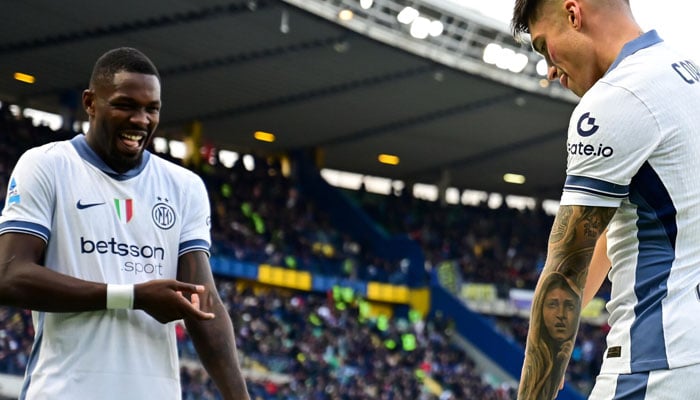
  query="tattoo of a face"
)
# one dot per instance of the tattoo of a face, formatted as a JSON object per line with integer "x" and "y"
{"x": 555, "y": 320}
{"x": 556, "y": 307}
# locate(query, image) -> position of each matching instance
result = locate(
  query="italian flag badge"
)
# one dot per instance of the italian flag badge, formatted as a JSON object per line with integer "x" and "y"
{"x": 125, "y": 209}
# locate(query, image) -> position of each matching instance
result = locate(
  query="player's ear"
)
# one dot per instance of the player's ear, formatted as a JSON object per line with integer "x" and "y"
{"x": 573, "y": 13}
{"x": 89, "y": 102}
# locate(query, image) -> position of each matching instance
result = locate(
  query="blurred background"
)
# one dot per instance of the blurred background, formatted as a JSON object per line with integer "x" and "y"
{"x": 383, "y": 175}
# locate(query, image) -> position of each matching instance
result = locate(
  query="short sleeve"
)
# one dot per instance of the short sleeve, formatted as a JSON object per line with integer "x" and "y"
{"x": 195, "y": 233}
{"x": 29, "y": 203}
{"x": 611, "y": 134}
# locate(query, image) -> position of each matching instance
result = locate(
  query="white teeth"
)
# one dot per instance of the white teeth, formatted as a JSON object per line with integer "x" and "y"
{"x": 131, "y": 137}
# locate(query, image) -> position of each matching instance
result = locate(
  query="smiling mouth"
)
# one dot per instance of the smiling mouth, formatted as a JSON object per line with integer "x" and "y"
{"x": 132, "y": 140}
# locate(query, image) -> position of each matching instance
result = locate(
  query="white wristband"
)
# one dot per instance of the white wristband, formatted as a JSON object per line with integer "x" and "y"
{"x": 120, "y": 297}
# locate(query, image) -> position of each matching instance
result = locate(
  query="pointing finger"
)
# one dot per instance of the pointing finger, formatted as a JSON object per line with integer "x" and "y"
{"x": 195, "y": 301}
{"x": 187, "y": 287}
{"x": 195, "y": 309}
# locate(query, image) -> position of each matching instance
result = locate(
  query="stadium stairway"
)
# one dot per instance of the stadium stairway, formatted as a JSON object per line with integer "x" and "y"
{"x": 350, "y": 218}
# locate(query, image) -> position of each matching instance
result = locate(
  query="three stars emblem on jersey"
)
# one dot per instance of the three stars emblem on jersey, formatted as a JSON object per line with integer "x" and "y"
{"x": 124, "y": 209}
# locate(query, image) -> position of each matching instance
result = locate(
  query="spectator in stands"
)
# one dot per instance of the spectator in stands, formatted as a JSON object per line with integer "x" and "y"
{"x": 332, "y": 351}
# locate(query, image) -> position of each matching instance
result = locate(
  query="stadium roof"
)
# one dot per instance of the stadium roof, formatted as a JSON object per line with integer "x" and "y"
{"x": 321, "y": 85}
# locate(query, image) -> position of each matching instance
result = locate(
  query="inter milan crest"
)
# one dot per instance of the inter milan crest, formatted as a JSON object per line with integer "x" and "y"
{"x": 163, "y": 215}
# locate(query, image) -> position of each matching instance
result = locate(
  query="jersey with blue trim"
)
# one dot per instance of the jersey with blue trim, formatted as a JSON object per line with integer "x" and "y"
{"x": 105, "y": 227}
{"x": 634, "y": 144}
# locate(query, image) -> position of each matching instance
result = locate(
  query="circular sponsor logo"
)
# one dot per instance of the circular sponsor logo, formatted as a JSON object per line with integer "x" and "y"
{"x": 163, "y": 216}
{"x": 586, "y": 125}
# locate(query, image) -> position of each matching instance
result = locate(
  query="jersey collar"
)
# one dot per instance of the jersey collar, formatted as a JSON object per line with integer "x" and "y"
{"x": 646, "y": 40}
{"x": 89, "y": 155}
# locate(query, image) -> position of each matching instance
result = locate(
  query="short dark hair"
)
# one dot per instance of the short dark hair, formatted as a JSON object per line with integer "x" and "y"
{"x": 121, "y": 59}
{"x": 523, "y": 12}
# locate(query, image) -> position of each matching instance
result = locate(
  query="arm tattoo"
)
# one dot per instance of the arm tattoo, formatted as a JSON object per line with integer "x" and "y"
{"x": 595, "y": 220}
{"x": 556, "y": 306}
{"x": 559, "y": 228}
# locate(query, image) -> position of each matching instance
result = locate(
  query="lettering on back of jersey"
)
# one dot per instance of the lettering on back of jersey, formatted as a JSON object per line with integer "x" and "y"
{"x": 687, "y": 70}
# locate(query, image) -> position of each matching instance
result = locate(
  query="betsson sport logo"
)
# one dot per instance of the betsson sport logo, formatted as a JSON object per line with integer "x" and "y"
{"x": 147, "y": 258}
{"x": 587, "y": 127}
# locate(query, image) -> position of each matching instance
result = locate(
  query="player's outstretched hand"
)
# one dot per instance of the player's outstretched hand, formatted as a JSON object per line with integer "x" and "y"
{"x": 167, "y": 300}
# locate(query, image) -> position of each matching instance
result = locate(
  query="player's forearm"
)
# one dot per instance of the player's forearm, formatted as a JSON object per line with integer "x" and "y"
{"x": 31, "y": 286}
{"x": 216, "y": 347}
{"x": 571, "y": 245}
{"x": 542, "y": 380}
{"x": 25, "y": 283}
{"x": 214, "y": 339}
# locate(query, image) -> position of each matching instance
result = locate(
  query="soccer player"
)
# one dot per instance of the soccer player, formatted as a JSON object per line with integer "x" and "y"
{"x": 108, "y": 244}
{"x": 633, "y": 154}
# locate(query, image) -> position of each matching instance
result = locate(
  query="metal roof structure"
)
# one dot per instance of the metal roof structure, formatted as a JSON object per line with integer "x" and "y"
{"x": 353, "y": 89}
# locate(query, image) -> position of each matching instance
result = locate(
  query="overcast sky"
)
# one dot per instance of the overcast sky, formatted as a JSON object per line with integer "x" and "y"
{"x": 673, "y": 19}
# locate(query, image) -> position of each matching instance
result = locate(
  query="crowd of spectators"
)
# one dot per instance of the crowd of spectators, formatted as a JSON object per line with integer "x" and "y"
{"x": 259, "y": 216}
{"x": 504, "y": 247}
{"x": 338, "y": 351}
{"x": 16, "y": 337}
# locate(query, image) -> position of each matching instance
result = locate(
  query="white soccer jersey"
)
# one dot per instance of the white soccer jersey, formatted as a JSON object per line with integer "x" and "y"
{"x": 105, "y": 227}
{"x": 634, "y": 143}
